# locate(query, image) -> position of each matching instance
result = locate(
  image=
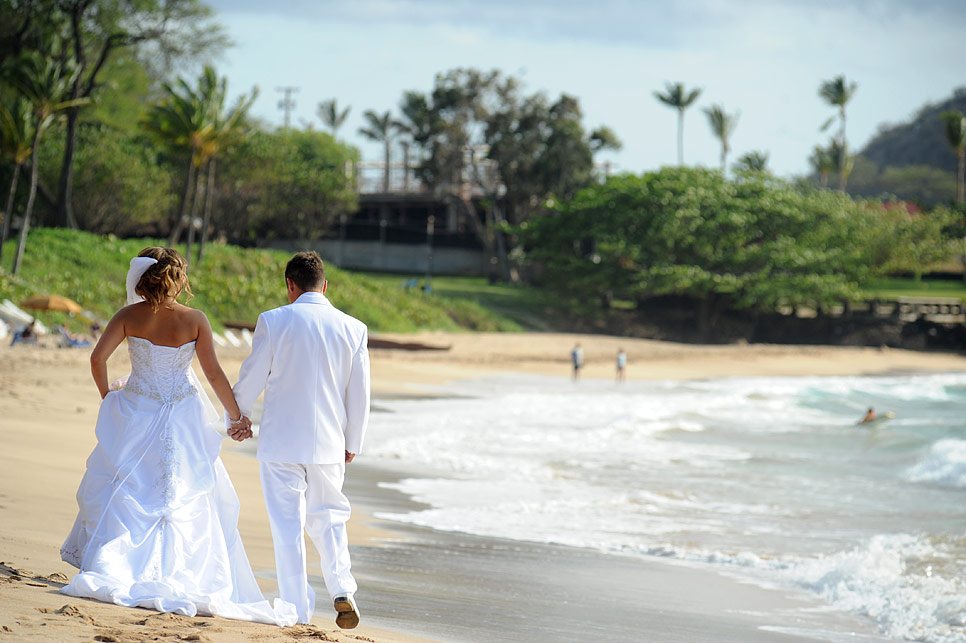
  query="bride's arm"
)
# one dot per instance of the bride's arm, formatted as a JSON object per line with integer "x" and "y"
{"x": 111, "y": 338}
{"x": 205, "y": 348}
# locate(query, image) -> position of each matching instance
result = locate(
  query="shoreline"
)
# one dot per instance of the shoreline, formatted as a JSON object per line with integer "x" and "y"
{"x": 455, "y": 585}
{"x": 48, "y": 405}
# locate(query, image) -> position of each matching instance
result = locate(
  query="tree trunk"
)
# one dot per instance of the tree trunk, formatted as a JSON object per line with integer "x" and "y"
{"x": 209, "y": 197}
{"x": 25, "y": 226}
{"x": 843, "y": 152}
{"x": 960, "y": 178}
{"x": 681, "y": 137}
{"x": 500, "y": 245}
{"x": 65, "y": 186}
{"x": 385, "y": 176}
{"x": 185, "y": 200}
{"x": 708, "y": 312}
{"x": 724, "y": 159}
{"x": 8, "y": 212}
{"x": 191, "y": 220}
{"x": 405, "y": 185}
{"x": 824, "y": 176}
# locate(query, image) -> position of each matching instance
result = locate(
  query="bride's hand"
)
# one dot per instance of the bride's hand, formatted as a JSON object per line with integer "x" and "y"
{"x": 242, "y": 430}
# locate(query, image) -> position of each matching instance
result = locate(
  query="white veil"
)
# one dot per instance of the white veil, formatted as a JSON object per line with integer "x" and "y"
{"x": 138, "y": 267}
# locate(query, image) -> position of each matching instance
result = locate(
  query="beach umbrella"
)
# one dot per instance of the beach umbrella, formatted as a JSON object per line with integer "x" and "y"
{"x": 52, "y": 302}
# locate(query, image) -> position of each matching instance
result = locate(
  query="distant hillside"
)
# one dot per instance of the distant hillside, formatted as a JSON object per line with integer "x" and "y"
{"x": 912, "y": 160}
{"x": 920, "y": 141}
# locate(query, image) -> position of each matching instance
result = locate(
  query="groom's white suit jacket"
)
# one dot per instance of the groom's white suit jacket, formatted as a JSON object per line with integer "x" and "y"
{"x": 312, "y": 360}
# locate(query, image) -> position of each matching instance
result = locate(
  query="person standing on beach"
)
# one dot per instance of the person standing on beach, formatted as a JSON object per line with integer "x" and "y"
{"x": 312, "y": 361}
{"x": 157, "y": 514}
{"x": 577, "y": 360}
{"x": 621, "y": 365}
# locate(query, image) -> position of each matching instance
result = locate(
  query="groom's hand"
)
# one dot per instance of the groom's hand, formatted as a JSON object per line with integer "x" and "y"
{"x": 242, "y": 431}
{"x": 349, "y": 457}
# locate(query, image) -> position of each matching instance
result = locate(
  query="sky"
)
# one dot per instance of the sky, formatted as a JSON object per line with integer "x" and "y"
{"x": 762, "y": 58}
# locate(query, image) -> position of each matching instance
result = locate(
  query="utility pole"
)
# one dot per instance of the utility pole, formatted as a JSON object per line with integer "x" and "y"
{"x": 287, "y": 104}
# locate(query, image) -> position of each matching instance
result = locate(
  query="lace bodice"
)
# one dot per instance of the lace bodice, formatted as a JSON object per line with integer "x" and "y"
{"x": 160, "y": 372}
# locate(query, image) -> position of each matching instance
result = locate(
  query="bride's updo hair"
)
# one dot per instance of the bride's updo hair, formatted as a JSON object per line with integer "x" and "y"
{"x": 167, "y": 278}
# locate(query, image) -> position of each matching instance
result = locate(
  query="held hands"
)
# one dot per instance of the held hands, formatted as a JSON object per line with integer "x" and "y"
{"x": 240, "y": 429}
{"x": 349, "y": 457}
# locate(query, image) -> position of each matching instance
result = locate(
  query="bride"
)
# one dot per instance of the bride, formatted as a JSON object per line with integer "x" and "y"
{"x": 157, "y": 525}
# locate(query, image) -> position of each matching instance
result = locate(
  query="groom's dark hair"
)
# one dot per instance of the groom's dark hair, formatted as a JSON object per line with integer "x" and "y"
{"x": 306, "y": 270}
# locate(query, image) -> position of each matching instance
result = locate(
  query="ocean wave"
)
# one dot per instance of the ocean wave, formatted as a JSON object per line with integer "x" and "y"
{"x": 945, "y": 464}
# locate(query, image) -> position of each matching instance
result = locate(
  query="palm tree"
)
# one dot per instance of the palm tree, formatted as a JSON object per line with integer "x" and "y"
{"x": 329, "y": 112}
{"x": 956, "y": 137}
{"x": 16, "y": 138}
{"x": 184, "y": 120}
{"x": 722, "y": 125}
{"x": 47, "y": 85}
{"x": 228, "y": 127}
{"x": 675, "y": 96}
{"x": 753, "y": 161}
{"x": 382, "y": 129}
{"x": 837, "y": 93}
{"x": 842, "y": 160}
{"x": 823, "y": 162}
{"x": 418, "y": 125}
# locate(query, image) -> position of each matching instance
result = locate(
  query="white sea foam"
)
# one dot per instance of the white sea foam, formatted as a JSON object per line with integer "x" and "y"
{"x": 909, "y": 585}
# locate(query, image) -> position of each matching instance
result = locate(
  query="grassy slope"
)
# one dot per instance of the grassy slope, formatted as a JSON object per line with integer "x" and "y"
{"x": 529, "y": 307}
{"x": 231, "y": 285}
{"x": 893, "y": 287}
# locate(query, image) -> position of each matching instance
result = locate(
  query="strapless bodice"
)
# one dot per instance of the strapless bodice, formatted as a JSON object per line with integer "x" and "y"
{"x": 160, "y": 372}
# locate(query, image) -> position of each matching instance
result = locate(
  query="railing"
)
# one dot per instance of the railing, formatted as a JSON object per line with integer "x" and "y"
{"x": 371, "y": 179}
{"x": 479, "y": 177}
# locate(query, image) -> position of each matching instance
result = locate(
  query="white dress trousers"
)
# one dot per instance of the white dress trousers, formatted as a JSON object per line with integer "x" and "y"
{"x": 308, "y": 497}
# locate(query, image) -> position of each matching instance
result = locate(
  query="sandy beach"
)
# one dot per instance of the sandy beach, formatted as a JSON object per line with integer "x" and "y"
{"x": 407, "y": 575}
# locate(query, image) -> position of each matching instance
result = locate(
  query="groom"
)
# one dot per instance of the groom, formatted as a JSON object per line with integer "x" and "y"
{"x": 312, "y": 361}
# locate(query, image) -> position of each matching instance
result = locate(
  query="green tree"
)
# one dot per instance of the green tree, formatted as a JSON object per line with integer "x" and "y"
{"x": 381, "y": 128}
{"x": 120, "y": 185}
{"x": 756, "y": 244}
{"x": 46, "y": 84}
{"x": 823, "y": 162}
{"x": 496, "y": 153}
{"x": 676, "y": 96}
{"x": 837, "y": 93}
{"x": 722, "y": 125}
{"x": 126, "y": 92}
{"x": 753, "y": 161}
{"x": 287, "y": 184}
{"x": 328, "y": 111}
{"x": 955, "y": 123}
{"x": 94, "y": 32}
{"x": 16, "y": 142}
{"x": 923, "y": 237}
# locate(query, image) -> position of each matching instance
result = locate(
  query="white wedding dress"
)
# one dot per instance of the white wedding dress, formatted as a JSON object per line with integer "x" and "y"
{"x": 158, "y": 519}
